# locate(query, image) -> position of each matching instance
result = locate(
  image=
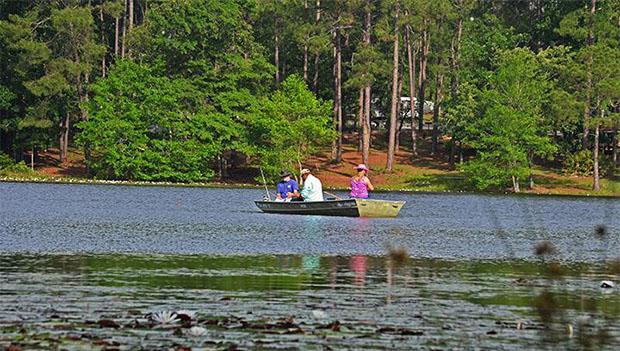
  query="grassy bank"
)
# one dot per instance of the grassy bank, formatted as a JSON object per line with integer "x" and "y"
{"x": 435, "y": 175}
{"x": 420, "y": 174}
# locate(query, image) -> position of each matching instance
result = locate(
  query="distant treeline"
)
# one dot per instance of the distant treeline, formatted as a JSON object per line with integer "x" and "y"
{"x": 183, "y": 90}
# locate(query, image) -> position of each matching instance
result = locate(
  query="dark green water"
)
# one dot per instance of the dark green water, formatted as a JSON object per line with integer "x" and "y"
{"x": 86, "y": 267}
{"x": 57, "y": 301}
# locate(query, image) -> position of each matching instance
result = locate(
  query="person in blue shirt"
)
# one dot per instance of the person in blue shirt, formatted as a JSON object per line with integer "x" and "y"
{"x": 287, "y": 189}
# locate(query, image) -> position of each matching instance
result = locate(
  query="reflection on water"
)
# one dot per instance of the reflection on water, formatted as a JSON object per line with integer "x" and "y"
{"x": 425, "y": 303}
{"x": 311, "y": 263}
{"x": 357, "y": 265}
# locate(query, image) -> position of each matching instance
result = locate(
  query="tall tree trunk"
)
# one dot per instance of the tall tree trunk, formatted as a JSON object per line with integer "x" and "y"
{"x": 436, "y": 111}
{"x": 64, "y": 138}
{"x": 116, "y": 30}
{"x": 124, "y": 33}
{"x": 315, "y": 79}
{"x": 424, "y": 45}
{"x": 102, "y": 37}
{"x": 392, "y": 136}
{"x": 455, "y": 55}
{"x": 337, "y": 145}
{"x": 412, "y": 93}
{"x": 614, "y": 147}
{"x": 399, "y": 118}
{"x": 515, "y": 184}
{"x": 83, "y": 97}
{"x": 366, "y": 130}
{"x": 131, "y": 21}
{"x": 131, "y": 16}
{"x": 61, "y": 140}
{"x": 452, "y": 152}
{"x": 360, "y": 121}
{"x": 455, "y": 47}
{"x": 588, "y": 98}
{"x": 306, "y": 63}
{"x": 596, "y": 178}
{"x": 530, "y": 163}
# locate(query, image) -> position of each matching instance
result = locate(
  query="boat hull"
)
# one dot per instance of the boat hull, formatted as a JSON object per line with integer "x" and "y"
{"x": 344, "y": 208}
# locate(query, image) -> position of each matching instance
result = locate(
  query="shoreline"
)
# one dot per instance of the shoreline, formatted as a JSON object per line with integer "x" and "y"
{"x": 86, "y": 181}
{"x": 165, "y": 254}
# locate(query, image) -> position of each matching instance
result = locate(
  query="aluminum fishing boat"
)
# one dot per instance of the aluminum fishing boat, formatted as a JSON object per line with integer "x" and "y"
{"x": 346, "y": 208}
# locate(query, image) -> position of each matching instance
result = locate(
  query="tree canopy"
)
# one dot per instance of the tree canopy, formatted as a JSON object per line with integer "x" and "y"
{"x": 185, "y": 90}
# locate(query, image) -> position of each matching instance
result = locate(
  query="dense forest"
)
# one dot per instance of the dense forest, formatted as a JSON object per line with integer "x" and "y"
{"x": 185, "y": 90}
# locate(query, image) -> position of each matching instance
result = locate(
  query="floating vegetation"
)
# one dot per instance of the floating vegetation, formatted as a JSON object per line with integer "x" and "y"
{"x": 326, "y": 308}
{"x": 614, "y": 266}
{"x": 554, "y": 270}
{"x": 164, "y": 318}
{"x": 545, "y": 248}
{"x": 397, "y": 256}
{"x": 607, "y": 284}
{"x": 196, "y": 331}
{"x": 600, "y": 231}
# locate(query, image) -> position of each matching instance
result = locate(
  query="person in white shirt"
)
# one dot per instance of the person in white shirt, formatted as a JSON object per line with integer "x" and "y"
{"x": 312, "y": 189}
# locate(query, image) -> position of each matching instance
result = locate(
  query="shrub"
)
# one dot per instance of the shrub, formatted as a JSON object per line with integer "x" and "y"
{"x": 582, "y": 164}
{"x": 9, "y": 166}
{"x": 579, "y": 163}
{"x": 5, "y": 161}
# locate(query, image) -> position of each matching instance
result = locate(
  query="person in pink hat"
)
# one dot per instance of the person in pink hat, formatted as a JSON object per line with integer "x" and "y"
{"x": 360, "y": 184}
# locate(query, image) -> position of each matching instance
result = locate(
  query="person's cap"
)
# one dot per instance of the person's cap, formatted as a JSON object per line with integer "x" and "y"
{"x": 305, "y": 171}
{"x": 285, "y": 173}
{"x": 362, "y": 167}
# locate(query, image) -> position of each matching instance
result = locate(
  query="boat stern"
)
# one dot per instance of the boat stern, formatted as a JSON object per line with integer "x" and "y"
{"x": 378, "y": 208}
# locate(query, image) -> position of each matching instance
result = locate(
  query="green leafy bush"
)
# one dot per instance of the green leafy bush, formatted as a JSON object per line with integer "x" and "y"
{"x": 608, "y": 168}
{"x": 9, "y": 166}
{"x": 288, "y": 126}
{"x": 579, "y": 163}
{"x": 147, "y": 127}
{"x": 5, "y": 161}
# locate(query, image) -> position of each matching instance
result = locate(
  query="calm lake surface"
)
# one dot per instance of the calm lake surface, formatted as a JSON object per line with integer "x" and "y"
{"x": 85, "y": 266}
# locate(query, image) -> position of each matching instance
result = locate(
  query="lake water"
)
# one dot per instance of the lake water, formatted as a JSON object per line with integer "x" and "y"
{"x": 82, "y": 266}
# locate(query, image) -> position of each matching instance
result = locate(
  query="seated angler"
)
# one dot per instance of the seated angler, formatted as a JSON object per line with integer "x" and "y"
{"x": 312, "y": 189}
{"x": 360, "y": 184}
{"x": 287, "y": 188}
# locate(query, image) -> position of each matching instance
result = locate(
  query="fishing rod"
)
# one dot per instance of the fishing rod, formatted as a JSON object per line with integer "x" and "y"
{"x": 265, "y": 184}
{"x": 334, "y": 195}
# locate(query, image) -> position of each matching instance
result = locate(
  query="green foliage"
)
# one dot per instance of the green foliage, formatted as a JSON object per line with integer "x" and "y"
{"x": 579, "y": 163}
{"x": 146, "y": 127}
{"x": 6, "y": 104}
{"x": 198, "y": 81}
{"x": 289, "y": 126}
{"x": 485, "y": 38}
{"x": 368, "y": 65}
{"x": 9, "y": 167}
{"x": 6, "y": 98}
{"x": 196, "y": 38}
{"x": 5, "y": 161}
{"x": 507, "y": 134}
{"x": 462, "y": 110}
{"x": 51, "y": 54}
